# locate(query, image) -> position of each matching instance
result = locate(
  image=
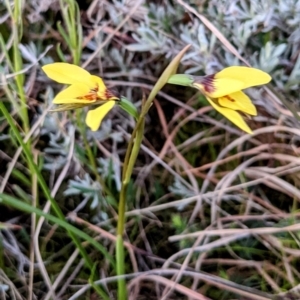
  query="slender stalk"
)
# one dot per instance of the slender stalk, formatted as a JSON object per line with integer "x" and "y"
{"x": 127, "y": 175}
{"x": 132, "y": 151}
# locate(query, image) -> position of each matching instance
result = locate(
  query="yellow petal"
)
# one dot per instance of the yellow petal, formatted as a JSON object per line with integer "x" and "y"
{"x": 249, "y": 76}
{"x": 67, "y": 73}
{"x": 238, "y": 101}
{"x": 231, "y": 115}
{"x": 70, "y": 94}
{"x": 94, "y": 117}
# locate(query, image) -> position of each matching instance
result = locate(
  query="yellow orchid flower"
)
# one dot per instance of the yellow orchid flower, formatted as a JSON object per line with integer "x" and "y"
{"x": 84, "y": 90}
{"x": 223, "y": 91}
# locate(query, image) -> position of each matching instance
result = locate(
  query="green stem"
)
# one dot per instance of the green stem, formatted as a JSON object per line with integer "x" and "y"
{"x": 132, "y": 152}
{"x": 129, "y": 161}
{"x": 122, "y": 291}
{"x": 127, "y": 172}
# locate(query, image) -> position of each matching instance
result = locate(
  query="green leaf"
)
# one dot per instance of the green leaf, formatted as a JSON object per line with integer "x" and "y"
{"x": 128, "y": 106}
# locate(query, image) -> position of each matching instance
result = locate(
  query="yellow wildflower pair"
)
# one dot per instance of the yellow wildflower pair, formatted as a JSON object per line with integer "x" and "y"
{"x": 84, "y": 90}
{"x": 223, "y": 90}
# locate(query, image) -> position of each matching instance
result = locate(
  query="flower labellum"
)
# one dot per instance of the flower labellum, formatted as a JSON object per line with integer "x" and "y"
{"x": 84, "y": 90}
{"x": 223, "y": 90}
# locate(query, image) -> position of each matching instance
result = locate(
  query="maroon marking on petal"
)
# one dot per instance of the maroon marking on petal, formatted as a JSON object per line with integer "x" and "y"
{"x": 208, "y": 83}
{"x": 229, "y": 98}
{"x": 92, "y": 95}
